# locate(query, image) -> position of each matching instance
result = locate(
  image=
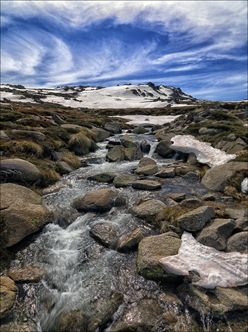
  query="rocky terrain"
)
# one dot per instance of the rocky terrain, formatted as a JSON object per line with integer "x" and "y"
{"x": 109, "y": 226}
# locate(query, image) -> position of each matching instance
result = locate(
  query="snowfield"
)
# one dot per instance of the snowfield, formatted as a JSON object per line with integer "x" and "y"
{"x": 121, "y": 96}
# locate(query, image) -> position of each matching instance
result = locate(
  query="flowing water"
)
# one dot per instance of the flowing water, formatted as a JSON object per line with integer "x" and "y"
{"x": 79, "y": 271}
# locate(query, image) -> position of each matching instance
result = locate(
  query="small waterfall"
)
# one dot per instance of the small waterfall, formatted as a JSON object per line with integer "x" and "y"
{"x": 152, "y": 149}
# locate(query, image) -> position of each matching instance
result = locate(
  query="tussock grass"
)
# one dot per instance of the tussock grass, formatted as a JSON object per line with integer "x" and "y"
{"x": 71, "y": 159}
{"x": 25, "y": 147}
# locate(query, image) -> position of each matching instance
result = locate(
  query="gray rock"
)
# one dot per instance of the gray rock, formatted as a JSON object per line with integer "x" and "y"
{"x": 124, "y": 180}
{"x": 115, "y": 154}
{"x": 103, "y": 177}
{"x": 4, "y": 136}
{"x": 163, "y": 149}
{"x": 63, "y": 167}
{"x": 133, "y": 153}
{"x": 216, "y": 178}
{"x": 178, "y": 197}
{"x": 104, "y": 233}
{"x": 113, "y": 127}
{"x": 146, "y": 185}
{"x": 217, "y": 233}
{"x": 71, "y": 320}
{"x": 151, "y": 250}
{"x": 208, "y": 131}
{"x": 148, "y": 210}
{"x": 130, "y": 241}
{"x": 146, "y": 166}
{"x": 238, "y": 242}
{"x": 196, "y": 219}
{"x": 128, "y": 142}
{"x": 166, "y": 172}
{"x": 140, "y": 130}
{"x": 19, "y": 170}
{"x": 8, "y": 292}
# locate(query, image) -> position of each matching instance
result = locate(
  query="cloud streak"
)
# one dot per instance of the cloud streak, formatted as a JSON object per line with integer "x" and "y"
{"x": 49, "y": 43}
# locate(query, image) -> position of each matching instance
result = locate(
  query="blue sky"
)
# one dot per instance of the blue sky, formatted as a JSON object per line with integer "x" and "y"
{"x": 200, "y": 46}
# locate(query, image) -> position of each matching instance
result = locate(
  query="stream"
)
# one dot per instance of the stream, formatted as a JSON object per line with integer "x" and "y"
{"x": 80, "y": 271}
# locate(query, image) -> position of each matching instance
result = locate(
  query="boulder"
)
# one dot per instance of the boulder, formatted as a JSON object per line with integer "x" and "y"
{"x": 238, "y": 242}
{"x": 196, "y": 219}
{"x": 216, "y": 178}
{"x": 129, "y": 241}
{"x": 146, "y": 185}
{"x": 26, "y": 274}
{"x": 178, "y": 197}
{"x": 128, "y": 142}
{"x": 8, "y": 291}
{"x": 100, "y": 134}
{"x": 145, "y": 146}
{"x": 115, "y": 154}
{"x": 104, "y": 233}
{"x": 113, "y": 127}
{"x": 80, "y": 144}
{"x": 151, "y": 249}
{"x": 22, "y": 213}
{"x": 73, "y": 320}
{"x": 141, "y": 316}
{"x": 72, "y": 127}
{"x": 166, "y": 172}
{"x": 148, "y": 210}
{"x": 63, "y": 167}
{"x": 133, "y": 153}
{"x": 163, "y": 149}
{"x": 146, "y": 166}
{"x": 18, "y": 170}
{"x": 124, "y": 180}
{"x": 191, "y": 202}
{"x": 103, "y": 177}
{"x": 140, "y": 130}
{"x": 100, "y": 200}
{"x": 217, "y": 233}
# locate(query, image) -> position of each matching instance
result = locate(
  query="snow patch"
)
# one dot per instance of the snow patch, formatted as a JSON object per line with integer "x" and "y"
{"x": 204, "y": 152}
{"x": 215, "y": 268}
{"x": 148, "y": 119}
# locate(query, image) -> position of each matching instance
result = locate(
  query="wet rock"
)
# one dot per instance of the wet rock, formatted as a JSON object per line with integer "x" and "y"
{"x": 196, "y": 219}
{"x": 100, "y": 134}
{"x": 141, "y": 316}
{"x": 104, "y": 233}
{"x": 148, "y": 210}
{"x": 191, "y": 202}
{"x": 113, "y": 127}
{"x": 131, "y": 154}
{"x": 166, "y": 172}
{"x": 216, "y": 178}
{"x": 163, "y": 149}
{"x": 8, "y": 291}
{"x": 100, "y": 200}
{"x": 128, "y": 142}
{"x": 140, "y": 130}
{"x": 151, "y": 249}
{"x": 19, "y": 170}
{"x": 74, "y": 320}
{"x": 124, "y": 180}
{"x": 146, "y": 185}
{"x": 22, "y": 213}
{"x": 178, "y": 197}
{"x": 63, "y": 167}
{"x": 26, "y": 274}
{"x": 104, "y": 310}
{"x": 146, "y": 166}
{"x": 238, "y": 242}
{"x": 115, "y": 154}
{"x": 103, "y": 177}
{"x": 129, "y": 241}
{"x": 217, "y": 233}
{"x": 145, "y": 146}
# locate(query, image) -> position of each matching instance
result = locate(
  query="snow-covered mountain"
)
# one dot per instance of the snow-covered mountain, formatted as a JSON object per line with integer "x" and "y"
{"x": 121, "y": 96}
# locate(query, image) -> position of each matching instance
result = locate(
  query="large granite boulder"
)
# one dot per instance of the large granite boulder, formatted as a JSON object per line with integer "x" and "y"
{"x": 146, "y": 166}
{"x": 217, "y": 233}
{"x": 196, "y": 219}
{"x": 151, "y": 249}
{"x": 217, "y": 178}
{"x": 22, "y": 213}
{"x": 100, "y": 200}
{"x": 18, "y": 170}
{"x": 8, "y": 291}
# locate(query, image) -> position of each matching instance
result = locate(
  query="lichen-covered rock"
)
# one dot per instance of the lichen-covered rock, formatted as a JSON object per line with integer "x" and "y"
{"x": 128, "y": 142}
{"x": 146, "y": 166}
{"x": 153, "y": 248}
{"x": 148, "y": 210}
{"x": 196, "y": 219}
{"x": 217, "y": 233}
{"x": 100, "y": 134}
{"x": 100, "y": 200}
{"x": 22, "y": 213}
{"x": 163, "y": 148}
{"x": 133, "y": 153}
{"x": 104, "y": 233}
{"x": 19, "y": 170}
{"x": 238, "y": 242}
{"x": 8, "y": 291}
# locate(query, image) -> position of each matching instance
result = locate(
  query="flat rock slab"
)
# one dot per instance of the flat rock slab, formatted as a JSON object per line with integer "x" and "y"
{"x": 146, "y": 185}
{"x": 214, "y": 268}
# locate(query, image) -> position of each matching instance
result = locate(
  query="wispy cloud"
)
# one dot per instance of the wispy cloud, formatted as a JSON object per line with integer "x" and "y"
{"x": 192, "y": 44}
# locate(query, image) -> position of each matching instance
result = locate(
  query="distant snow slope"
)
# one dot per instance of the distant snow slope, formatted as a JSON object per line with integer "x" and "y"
{"x": 120, "y": 96}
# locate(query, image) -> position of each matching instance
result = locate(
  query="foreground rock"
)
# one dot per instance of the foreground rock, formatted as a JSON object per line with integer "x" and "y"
{"x": 217, "y": 178}
{"x": 100, "y": 200}
{"x": 22, "y": 213}
{"x": 238, "y": 242}
{"x": 141, "y": 316}
{"x": 129, "y": 241}
{"x": 19, "y": 170}
{"x": 104, "y": 233}
{"x": 151, "y": 250}
{"x": 148, "y": 210}
{"x": 196, "y": 219}
{"x": 146, "y": 185}
{"x": 212, "y": 268}
{"x": 146, "y": 166}
{"x": 217, "y": 233}
{"x": 27, "y": 274}
{"x": 8, "y": 291}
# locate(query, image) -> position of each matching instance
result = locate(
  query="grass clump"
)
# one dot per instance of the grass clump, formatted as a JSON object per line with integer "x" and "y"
{"x": 71, "y": 159}
{"x": 80, "y": 144}
{"x": 24, "y": 147}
